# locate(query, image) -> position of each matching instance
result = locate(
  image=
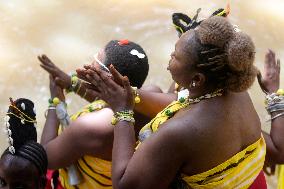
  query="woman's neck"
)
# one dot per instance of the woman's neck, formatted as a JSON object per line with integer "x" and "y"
{"x": 197, "y": 92}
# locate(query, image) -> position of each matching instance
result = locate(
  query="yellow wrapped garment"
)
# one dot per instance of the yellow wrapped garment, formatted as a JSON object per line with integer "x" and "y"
{"x": 96, "y": 172}
{"x": 239, "y": 171}
{"x": 280, "y": 177}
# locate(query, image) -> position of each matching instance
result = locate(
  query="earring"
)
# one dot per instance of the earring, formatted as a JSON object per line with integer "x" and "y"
{"x": 193, "y": 84}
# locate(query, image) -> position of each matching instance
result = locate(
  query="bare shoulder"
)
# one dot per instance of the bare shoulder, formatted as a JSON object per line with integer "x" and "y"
{"x": 185, "y": 130}
{"x": 95, "y": 122}
{"x": 93, "y": 133}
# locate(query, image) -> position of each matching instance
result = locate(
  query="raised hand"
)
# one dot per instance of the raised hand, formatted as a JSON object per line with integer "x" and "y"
{"x": 55, "y": 90}
{"x": 270, "y": 80}
{"x": 117, "y": 92}
{"x": 61, "y": 78}
{"x": 82, "y": 72}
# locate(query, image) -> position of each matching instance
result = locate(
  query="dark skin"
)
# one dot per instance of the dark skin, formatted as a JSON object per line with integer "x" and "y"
{"x": 269, "y": 83}
{"x": 91, "y": 134}
{"x": 152, "y": 101}
{"x": 183, "y": 141}
{"x": 18, "y": 173}
{"x": 62, "y": 79}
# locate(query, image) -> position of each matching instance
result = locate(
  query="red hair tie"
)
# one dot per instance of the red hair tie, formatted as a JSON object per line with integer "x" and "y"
{"x": 123, "y": 42}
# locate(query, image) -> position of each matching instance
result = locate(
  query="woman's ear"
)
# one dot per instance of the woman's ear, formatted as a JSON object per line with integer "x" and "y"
{"x": 198, "y": 80}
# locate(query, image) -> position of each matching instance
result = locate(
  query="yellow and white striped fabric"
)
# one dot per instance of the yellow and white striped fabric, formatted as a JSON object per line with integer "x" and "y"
{"x": 96, "y": 172}
{"x": 239, "y": 172}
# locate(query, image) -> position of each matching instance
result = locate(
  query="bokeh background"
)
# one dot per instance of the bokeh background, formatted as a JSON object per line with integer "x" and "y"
{"x": 70, "y": 32}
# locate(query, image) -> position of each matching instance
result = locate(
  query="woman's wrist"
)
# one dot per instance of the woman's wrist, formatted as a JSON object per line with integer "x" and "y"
{"x": 73, "y": 83}
{"x": 275, "y": 104}
{"x": 122, "y": 108}
{"x": 123, "y": 115}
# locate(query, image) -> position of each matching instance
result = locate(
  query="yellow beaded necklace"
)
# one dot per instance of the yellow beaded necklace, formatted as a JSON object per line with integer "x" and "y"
{"x": 169, "y": 112}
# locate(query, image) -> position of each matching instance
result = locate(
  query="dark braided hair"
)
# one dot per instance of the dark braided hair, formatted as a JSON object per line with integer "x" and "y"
{"x": 136, "y": 69}
{"x": 225, "y": 56}
{"x": 184, "y": 23}
{"x": 23, "y": 133}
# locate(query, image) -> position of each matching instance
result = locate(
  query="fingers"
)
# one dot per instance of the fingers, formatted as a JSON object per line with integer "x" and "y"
{"x": 127, "y": 86}
{"x": 81, "y": 73}
{"x": 278, "y": 65}
{"x": 271, "y": 58}
{"x": 48, "y": 69}
{"x": 40, "y": 59}
{"x": 96, "y": 80}
{"x": 90, "y": 86}
{"x": 117, "y": 77}
{"x": 92, "y": 95}
{"x": 47, "y": 60}
{"x": 107, "y": 79}
{"x": 270, "y": 63}
{"x": 88, "y": 66}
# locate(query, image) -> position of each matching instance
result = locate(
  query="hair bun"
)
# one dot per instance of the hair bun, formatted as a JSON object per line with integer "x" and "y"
{"x": 216, "y": 31}
{"x": 241, "y": 81}
{"x": 240, "y": 51}
{"x": 241, "y": 55}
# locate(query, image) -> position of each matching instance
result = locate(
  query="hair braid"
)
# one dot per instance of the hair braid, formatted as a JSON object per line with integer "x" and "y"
{"x": 22, "y": 118}
{"x": 35, "y": 153}
{"x": 225, "y": 56}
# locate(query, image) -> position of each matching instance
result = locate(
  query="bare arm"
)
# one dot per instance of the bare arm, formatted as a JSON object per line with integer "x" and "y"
{"x": 51, "y": 125}
{"x": 270, "y": 83}
{"x": 153, "y": 102}
{"x": 89, "y": 134}
{"x": 141, "y": 169}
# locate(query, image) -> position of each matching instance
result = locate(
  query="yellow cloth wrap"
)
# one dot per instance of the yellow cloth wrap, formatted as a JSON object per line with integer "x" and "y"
{"x": 96, "y": 172}
{"x": 239, "y": 171}
{"x": 280, "y": 177}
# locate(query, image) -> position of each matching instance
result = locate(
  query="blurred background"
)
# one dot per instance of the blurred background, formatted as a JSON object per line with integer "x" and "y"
{"x": 70, "y": 32}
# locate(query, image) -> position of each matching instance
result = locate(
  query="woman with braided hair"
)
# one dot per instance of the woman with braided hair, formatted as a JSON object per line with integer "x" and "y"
{"x": 212, "y": 138}
{"x": 24, "y": 163}
{"x": 184, "y": 23}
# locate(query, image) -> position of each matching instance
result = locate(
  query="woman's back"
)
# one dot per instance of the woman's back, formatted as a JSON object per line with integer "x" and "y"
{"x": 222, "y": 127}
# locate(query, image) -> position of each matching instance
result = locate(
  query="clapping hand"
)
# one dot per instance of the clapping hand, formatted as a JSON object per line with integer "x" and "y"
{"x": 270, "y": 80}
{"x": 61, "y": 78}
{"x": 115, "y": 89}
